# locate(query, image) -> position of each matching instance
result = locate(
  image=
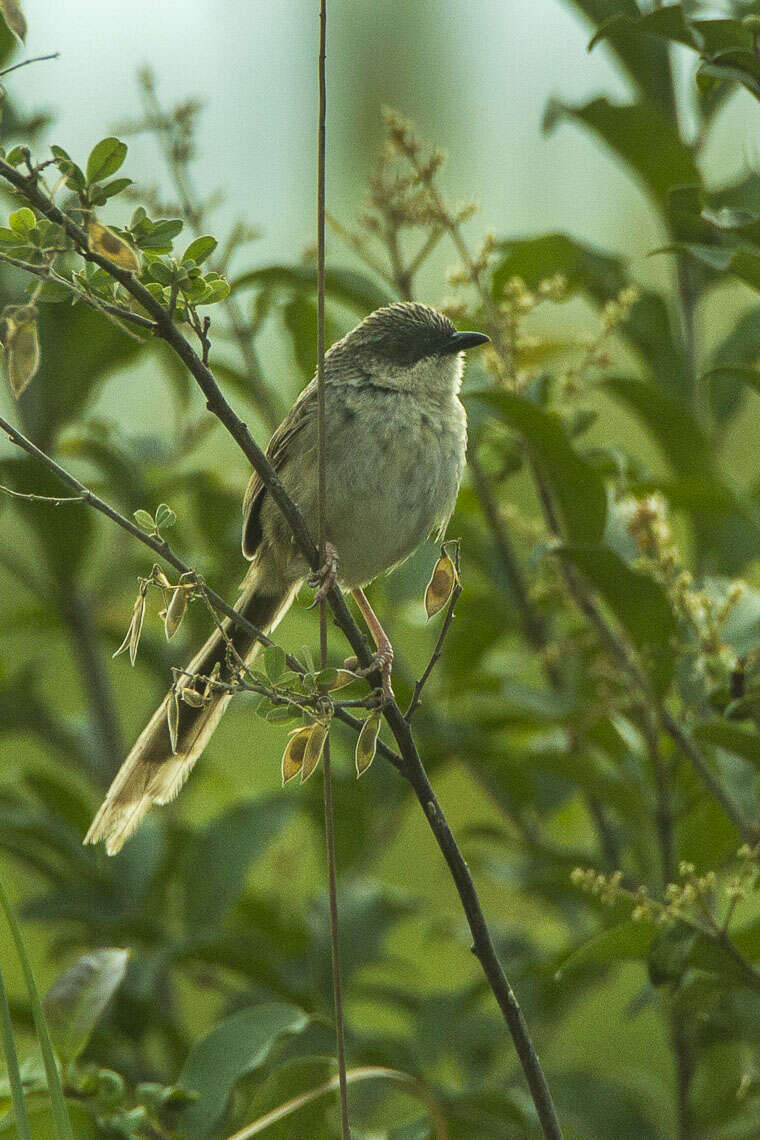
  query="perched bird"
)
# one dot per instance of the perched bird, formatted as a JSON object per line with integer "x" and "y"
{"x": 396, "y": 436}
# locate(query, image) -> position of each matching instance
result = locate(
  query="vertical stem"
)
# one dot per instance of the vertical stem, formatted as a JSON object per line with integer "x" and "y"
{"x": 76, "y": 614}
{"x": 322, "y": 467}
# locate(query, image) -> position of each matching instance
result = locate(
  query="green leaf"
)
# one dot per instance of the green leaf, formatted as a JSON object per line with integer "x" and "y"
{"x": 111, "y": 189}
{"x": 627, "y": 942}
{"x": 642, "y": 136}
{"x": 646, "y": 62}
{"x": 742, "y": 263}
{"x": 144, "y": 519}
{"x": 165, "y": 516}
{"x": 350, "y": 288}
{"x": 12, "y": 1067}
{"x": 57, "y": 1103}
{"x": 639, "y": 603}
{"x": 678, "y": 433}
{"x": 78, "y": 998}
{"x": 105, "y": 159}
{"x": 577, "y": 488}
{"x": 22, "y": 221}
{"x": 219, "y": 856}
{"x": 732, "y": 737}
{"x": 274, "y": 662}
{"x": 200, "y": 249}
{"x": 235, "y": 1048}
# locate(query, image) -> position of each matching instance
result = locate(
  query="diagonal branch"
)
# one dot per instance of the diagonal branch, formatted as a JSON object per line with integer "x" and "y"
{"x": 413, "y": 769}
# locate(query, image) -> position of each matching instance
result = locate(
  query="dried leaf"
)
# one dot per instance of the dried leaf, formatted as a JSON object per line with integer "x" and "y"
{"x": 214, "y": 675}
{"x": 292, "y": 757}
{"x": 366, "y": 744}
{"x": 314, "y": 749}
{"x": 192, "y": 698}
{"x": 343, "y": 677}
{"x": 22, "y": 354}
{"x": 175, "y": 612}
{"x": 172, "y": 718}
{"x": 108, "y": 244}
{"x": 441, "y": 585}
{"x": 132, "y": 638}
{"x": 14, "y": 17}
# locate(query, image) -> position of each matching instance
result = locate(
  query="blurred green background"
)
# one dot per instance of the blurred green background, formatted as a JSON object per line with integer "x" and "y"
{"x": 476, "y": 78}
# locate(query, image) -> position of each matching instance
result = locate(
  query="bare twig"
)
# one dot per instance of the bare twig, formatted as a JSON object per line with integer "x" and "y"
{"x": 332, "y": 884}
{"x": 437, "y": 650}
{"x": 26, "y": 62}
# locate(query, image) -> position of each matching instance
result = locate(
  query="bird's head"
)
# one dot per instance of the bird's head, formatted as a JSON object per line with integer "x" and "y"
{"x": 407, "y": 346}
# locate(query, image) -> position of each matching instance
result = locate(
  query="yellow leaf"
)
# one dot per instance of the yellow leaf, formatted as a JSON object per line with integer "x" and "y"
{"x": 292, "y": 757}
{"x": 175, "y": 612}
{"x": 441, "y": 585}
{"x": 343, "y": 678}
{"x": 366, "y": 745}
{"x": 108, "y": 244}
{"x": 22, "y": 354}
{"x": 14, "y": 17}
{"x": 172, "y": 718}
{"x": 314, "y": 748}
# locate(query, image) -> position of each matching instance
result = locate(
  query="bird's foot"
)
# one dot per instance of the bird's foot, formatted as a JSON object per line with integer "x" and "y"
{"x": 323, "y": 579}
{"x": 382, "y": 662}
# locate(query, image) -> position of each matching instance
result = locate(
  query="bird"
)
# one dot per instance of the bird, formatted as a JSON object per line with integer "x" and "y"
{"x": 395, "y": 441}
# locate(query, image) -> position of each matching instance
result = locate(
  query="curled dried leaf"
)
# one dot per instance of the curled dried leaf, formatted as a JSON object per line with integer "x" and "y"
{"x": 14, "y": 17}
{"x": 22, "y": 354}
{"x": 192, "y": 698}
{"x": 366, "y": 744}
{"x": 292, "y": 757}
{"x": 343, "y": 677}
{"x": 175, "y": 611}
{"x": 214, "y": 675}
{"x": 441, "y": 585}
{"x": 172, "y": 718}
{"x": 108, "y": 244}
{"x": 314, "y": 748}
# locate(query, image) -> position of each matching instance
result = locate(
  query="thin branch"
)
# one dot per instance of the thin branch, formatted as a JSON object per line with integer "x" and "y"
{"x": 332, "y": 883}
{"x": 437, "y": 650}
{"x": 412, "y": 769}
{"x": 26, "y": 62}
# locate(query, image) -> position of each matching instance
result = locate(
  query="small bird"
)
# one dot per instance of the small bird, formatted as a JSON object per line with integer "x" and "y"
{"x": 396, "y": 436}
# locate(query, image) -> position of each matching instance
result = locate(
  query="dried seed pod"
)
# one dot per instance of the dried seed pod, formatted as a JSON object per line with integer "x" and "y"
{"x": 366, "y": 745}
{"x": 214, "y": 675}
{"x": 108, "y": 244}
{"x": 292, "y": 757}
{"x": 314, "y": 748}
{"x": 441, "y": 585}
{"x": 192, "y": 698}
{"x": 22, "y": 354}
{"x": 175, "y": 612}
{"x": 172, "y": 718}
{"x": 132, "y": 636}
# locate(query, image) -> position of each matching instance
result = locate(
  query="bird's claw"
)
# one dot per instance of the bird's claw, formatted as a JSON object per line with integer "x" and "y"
{"x": 382, "y": 662}
{"x": 323, "y": 579}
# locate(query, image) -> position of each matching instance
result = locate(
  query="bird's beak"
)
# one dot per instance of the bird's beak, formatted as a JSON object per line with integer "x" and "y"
{"x": 461, "y": 340}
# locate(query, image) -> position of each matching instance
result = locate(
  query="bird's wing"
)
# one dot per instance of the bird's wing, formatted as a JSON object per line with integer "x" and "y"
{"x": 278, "y": 452}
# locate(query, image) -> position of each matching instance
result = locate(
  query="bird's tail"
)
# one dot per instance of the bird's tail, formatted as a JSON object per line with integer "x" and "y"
{"x": 153, "y": 772}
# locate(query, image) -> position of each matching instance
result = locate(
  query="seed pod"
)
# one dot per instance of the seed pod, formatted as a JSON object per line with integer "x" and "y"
{"x": 105, "y": 242}
{"x": 172, "y": 718}
{"x": 214, "y": 675}
{"x": 132, "y": 636}
{"x": 366, "y": 745}
{"x": 175, "y": 612}
{"x": 22, "y": 354}
{"x": 441, "y": 585}
{"x": 192, "y": 698}
{"x": 314, "y": 749}
{"x": 292, "y": 757}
